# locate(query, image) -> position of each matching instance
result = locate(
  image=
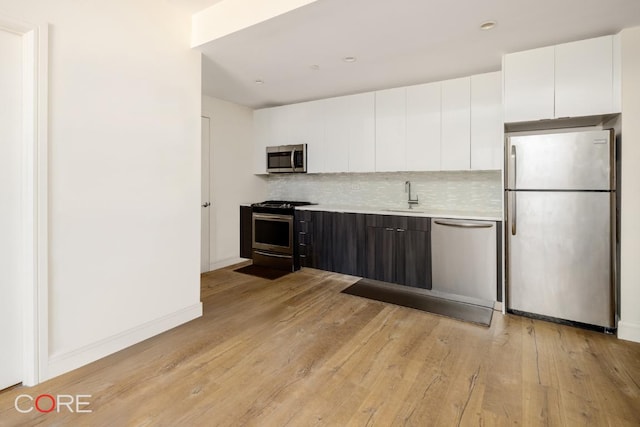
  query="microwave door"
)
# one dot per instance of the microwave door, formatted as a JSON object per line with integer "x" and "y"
{"x": 278, "y": 161}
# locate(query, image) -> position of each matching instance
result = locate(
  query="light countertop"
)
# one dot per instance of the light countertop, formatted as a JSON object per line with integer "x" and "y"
{"x": 417, "y": 211}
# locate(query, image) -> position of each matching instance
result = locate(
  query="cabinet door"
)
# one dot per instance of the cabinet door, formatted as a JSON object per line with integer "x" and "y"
{"x": 391, "y": 130}
{"x": 281, "y": 129}
{"x": 417, "y": 259}
{"x": 322, "y": 232}
{"x": 456, "y": 124}
{"x": 348, "y": 135}
{"x": 486, "y": 121}
{"x": 246, "y": 235}
{"x": 584, "y": 77}
{"x": 529, "y": 85}
{"x": 381, "y": 244}
{"x": 344, "y": 243}
{"x": 262, "y": 137}
{"x": 423, "y": 127}
{"x": 362, "y": 132}
{"x": 338, "y": 126}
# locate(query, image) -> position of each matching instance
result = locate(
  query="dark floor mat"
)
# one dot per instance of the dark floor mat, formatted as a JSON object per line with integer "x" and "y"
{"x": 406, "y": 297}
{"x": 263, "y": 272}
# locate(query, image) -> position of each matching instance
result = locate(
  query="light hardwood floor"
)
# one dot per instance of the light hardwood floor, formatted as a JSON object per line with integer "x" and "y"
{"x": 297, "y": 352}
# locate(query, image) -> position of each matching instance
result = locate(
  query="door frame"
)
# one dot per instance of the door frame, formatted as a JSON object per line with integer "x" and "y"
{"x": 35, "y": 200}
{"x": 206, "y": 115}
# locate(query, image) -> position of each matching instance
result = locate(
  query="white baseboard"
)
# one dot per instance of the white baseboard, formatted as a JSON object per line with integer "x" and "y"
{"x": 62, "y": 363}
{"x": 225, "y": 263}
{"x": 629, "y": 331}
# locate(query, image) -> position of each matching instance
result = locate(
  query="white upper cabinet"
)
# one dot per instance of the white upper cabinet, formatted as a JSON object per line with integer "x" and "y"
{"x": 486, "y": 121}
{"x": 349, "y": 144}
{"x": 310, "y": 130}
{"x": 391, "y": 134}
{"x": 423, "y": 127}
{"x": 336, "y": 135}
{"x": 262, "y": 137}
{"x": 568, "y": 80}
{"x": 360, "y": 114}
{"x": 584, "y": 77}
{"x": 529, "y": 85}
{"x": 456, "y": 124}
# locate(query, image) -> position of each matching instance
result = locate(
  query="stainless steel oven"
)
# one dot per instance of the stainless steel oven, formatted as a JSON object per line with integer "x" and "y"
{"x": 273, "y": 237}
{"x": 273, "y": 240}
{"x": 273, "y": 232}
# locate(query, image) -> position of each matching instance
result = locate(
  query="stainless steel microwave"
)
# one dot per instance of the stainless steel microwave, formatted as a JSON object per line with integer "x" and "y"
{"x": 287, "y": 158}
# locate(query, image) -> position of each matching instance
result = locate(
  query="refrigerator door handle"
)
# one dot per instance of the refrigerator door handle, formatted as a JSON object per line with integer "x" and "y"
{"x": 512, "y": 169}
{"x": 513, "y": 212}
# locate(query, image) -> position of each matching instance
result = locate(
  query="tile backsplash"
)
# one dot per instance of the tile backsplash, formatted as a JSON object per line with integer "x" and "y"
{"x": 460, "y": 190}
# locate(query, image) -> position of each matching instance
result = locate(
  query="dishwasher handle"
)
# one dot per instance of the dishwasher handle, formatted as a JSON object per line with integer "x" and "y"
{"x": 463, "y": 224}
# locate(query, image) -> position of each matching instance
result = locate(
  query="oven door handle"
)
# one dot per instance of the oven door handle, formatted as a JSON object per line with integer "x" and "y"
{"x": 269, "y": 254}
{"x": 272, "y": 217}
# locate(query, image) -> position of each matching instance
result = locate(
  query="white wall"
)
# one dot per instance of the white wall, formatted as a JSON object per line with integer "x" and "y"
{"x": 629, "y": 326}
{"x": 232, "y": 179}
{"x": 124, "y": 173}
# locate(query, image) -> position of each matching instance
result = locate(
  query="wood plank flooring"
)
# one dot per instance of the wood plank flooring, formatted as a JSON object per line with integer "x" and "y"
{"x": 297, "y": 352}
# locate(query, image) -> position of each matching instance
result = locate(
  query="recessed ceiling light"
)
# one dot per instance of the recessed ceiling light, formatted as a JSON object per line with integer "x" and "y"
{"x": 259, "y": 82}
{"x": 349, "y": 59}
{"x": 488, "y": 25}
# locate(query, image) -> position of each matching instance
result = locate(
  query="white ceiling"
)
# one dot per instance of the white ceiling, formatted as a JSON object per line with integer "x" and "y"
{"x": 193, "y": 6}
{"x": 397, "y": 43}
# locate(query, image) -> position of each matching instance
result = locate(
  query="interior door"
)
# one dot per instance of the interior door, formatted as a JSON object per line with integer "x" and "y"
{"x": 205, "y": 229}
{"x": 11, "y": 332}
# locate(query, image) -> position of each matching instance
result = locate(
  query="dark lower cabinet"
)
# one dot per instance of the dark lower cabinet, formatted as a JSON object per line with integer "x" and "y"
{"x": 331, "y": 241}
{"x": 394, "y": 249}
{"x": 416, "y": 259}
{"x": 246, "y": 232}
{"x": 346, "y": 251}
{"x": 398, "y": 250}
{"x": 304, "y": 228}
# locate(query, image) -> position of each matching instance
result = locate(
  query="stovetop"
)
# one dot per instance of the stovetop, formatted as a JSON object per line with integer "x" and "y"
{"x": 280, "y": 204}
{"x": 284, "y": 207}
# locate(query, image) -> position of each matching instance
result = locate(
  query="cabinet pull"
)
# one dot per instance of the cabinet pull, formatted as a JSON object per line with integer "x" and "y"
{"x": 390, "y": 229}
{"x": 401, "y": 229}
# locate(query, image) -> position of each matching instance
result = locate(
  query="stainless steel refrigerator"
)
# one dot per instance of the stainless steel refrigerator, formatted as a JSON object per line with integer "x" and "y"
{"x": 560, "y": 227}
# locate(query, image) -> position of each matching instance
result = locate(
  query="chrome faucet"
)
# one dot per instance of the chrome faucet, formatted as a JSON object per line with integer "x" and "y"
{"x": 407, "y": 189}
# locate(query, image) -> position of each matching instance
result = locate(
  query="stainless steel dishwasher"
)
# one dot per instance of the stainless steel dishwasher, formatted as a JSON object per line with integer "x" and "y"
{"x": 464, "y": 258}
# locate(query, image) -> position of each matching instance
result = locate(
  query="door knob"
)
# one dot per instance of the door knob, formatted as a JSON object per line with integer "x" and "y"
{"x": 206, "y": 205}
